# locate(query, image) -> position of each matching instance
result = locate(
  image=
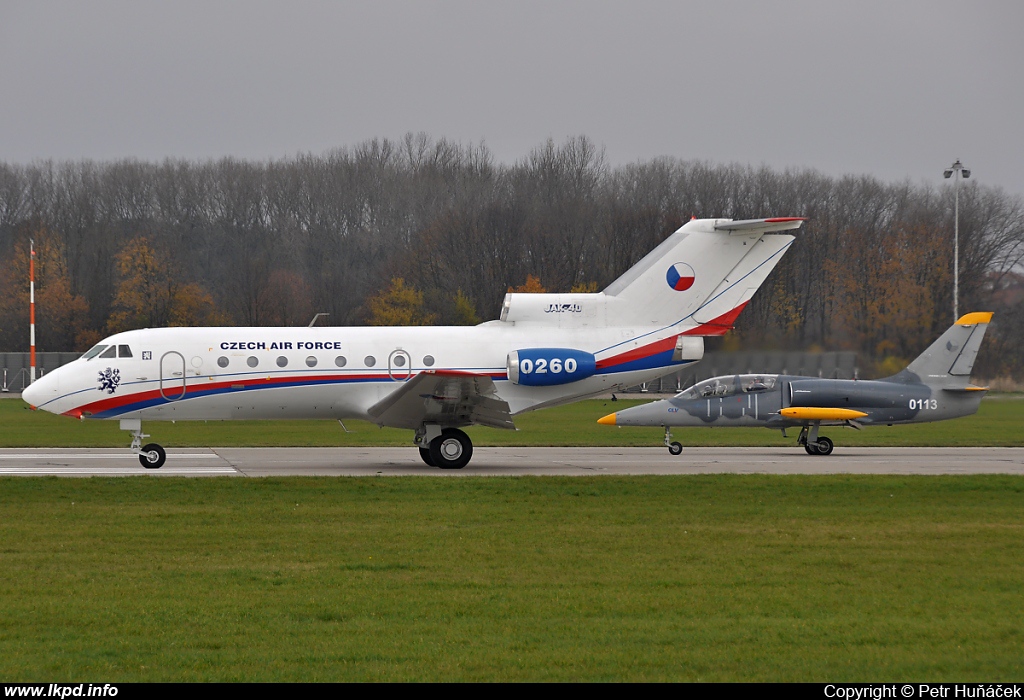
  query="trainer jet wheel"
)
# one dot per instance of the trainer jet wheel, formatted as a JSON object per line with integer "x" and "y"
{"x": 153, "y": 456}
{"x": 675, "y": 449}
{"x": 824, "y": 446}
{"x": 451, "y": 450}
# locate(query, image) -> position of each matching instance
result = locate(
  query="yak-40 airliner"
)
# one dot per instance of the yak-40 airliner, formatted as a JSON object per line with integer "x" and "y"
{"x": 545, "y": 350}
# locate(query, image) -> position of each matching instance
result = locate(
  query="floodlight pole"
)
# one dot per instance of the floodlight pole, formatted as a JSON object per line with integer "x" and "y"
{"x": 957, "y": 170}
{"x": 32, "y": 307}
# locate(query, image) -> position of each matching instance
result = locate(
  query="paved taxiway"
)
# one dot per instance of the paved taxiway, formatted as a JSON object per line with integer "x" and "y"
{"x": 514, "y": 461}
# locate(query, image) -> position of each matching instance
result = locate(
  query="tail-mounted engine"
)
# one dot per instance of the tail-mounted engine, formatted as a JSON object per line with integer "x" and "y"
{"x": 549, "y": 366}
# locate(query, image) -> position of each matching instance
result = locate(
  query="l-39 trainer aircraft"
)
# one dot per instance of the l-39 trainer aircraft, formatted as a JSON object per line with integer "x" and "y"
{"x": 936, "y": 386}
{"x": 545, "y": 350}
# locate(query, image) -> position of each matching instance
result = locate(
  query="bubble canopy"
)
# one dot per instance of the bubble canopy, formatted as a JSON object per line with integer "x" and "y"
{"x": 728, "y": 386}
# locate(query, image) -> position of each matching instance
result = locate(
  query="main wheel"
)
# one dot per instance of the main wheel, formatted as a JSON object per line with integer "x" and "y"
{"x": 812, "y": 448}
{"x": 425, "y": 456}
{"x": 675, "y": 448}
{"x": 825, "y": 446}
{"x": 152, "y": 456}
{"x": 452, "y": 450}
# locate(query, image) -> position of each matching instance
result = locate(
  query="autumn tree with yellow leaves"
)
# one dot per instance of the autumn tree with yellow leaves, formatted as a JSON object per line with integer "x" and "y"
{"x": 148, "y": 296}
{"x": 399, "y": 305}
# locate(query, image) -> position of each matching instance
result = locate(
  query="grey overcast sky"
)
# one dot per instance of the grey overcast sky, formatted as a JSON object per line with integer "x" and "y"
{"x": 894, "y": 89}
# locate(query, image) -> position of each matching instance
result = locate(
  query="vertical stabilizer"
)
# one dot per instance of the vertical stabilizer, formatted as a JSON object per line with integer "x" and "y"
{"x": 948, "y": 361}
{"x": 701, "y": 276}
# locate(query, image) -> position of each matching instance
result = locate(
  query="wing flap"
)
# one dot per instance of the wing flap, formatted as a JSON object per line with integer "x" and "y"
{"x": 445, "y": 398}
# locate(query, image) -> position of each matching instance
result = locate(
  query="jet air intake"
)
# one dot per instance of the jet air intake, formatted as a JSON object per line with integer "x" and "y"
{"x": 549, "y": 366}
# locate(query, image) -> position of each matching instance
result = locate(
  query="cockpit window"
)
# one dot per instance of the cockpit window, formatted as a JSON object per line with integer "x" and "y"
{"x": 124, "y": 351}
{"x": 109, "y": 352}
{"x": 96, "y": 350}
{"x": 754, "y": 383}
{"x": 719, "y": 386}
{"x": 728, "y": 386}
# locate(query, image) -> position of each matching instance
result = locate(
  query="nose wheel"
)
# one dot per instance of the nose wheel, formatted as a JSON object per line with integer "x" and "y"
{"x": 674, "y": 448}
{"x": 152, "y": 456}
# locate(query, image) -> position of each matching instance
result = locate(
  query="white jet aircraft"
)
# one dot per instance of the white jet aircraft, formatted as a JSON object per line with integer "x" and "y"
{"x": 545, "y": 350}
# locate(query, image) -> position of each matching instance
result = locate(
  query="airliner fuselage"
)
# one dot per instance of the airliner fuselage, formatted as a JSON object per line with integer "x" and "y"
{"x": 544, "y": 350}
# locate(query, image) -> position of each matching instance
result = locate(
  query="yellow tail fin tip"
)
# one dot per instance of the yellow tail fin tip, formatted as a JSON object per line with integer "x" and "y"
{"x": 974, "y": 318}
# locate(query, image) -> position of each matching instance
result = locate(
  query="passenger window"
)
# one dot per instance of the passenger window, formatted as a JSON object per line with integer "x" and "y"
{"x": 340, "y": 361}
{"x": 124, "y": 351}
{"x": 428, "y": 360}
{"x": 252, "y": 361}
{"x": 282, "y": 361}
{"x": 310, "y": 361}
{"x": 109, "y": 352}
{"x": 370, "y": 360}
{"x": 222, "y": 361}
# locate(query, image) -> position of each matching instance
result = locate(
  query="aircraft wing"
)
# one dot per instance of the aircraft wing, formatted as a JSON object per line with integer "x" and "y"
{"x": 445, "y": 398}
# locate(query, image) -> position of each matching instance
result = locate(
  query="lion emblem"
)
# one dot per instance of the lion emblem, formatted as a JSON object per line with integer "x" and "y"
{"x": 109, "y": 379}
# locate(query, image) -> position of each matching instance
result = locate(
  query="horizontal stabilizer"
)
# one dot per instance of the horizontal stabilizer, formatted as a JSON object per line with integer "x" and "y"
{"x": 780, "y": 223}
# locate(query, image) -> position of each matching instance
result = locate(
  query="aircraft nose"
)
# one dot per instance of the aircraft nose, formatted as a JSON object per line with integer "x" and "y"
{"x": 607, "y": 420}
{"x": 41, "y": 390}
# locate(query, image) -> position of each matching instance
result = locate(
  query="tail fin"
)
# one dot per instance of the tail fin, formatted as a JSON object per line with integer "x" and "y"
{"x": 702, "y": 275}
{"x": 947, "y": 362}
{"x": 696, "y": 282}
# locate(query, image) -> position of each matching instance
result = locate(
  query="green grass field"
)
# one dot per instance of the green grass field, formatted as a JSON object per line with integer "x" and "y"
{"x": 999, "y": 422}
{"x": 748, "y": 578}
{"x": 728, "y": 578}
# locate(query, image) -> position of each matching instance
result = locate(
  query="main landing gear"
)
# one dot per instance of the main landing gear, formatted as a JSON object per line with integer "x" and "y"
{"x": 152, "y": 455}
{"x": 449, "y": 448}
{"x": 674, "y": 448}
{"x": 813, "y": 443}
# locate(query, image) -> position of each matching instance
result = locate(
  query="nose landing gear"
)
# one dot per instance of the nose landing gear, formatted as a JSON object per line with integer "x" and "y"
{"x": 674, "y": 448}
{"x": 152, "y": 456}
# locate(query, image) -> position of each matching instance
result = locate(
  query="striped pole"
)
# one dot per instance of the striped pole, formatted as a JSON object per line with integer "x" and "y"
{"x": 32, "y": 305}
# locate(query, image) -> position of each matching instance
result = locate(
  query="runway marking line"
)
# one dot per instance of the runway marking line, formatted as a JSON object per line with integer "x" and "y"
{"x": 92, "y": 455}
{"x": 57, "y": 471}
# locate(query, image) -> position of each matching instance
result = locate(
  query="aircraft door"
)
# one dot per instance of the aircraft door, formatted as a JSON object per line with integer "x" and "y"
{"x": 399, "y": 365}
{"x": 173, "y": 376}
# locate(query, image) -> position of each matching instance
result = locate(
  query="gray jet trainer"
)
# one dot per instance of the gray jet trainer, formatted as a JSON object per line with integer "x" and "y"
{"x": 936, "y": 386}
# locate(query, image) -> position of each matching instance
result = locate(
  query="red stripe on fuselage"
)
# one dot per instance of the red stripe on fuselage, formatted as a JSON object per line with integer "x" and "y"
{"x": 638, "y": 353}
{"x": 200, "y": 389}
{"x": 197, "y": 389}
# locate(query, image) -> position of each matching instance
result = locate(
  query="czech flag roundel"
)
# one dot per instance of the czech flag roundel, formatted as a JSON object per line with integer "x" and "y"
{"x": 680, "y": 277}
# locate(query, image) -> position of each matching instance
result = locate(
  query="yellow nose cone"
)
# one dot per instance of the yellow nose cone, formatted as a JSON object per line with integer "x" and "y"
{"x": 607, "y": 420}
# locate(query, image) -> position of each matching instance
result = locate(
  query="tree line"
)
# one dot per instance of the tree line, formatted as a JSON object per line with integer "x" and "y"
{"x": 422, "y": 230}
